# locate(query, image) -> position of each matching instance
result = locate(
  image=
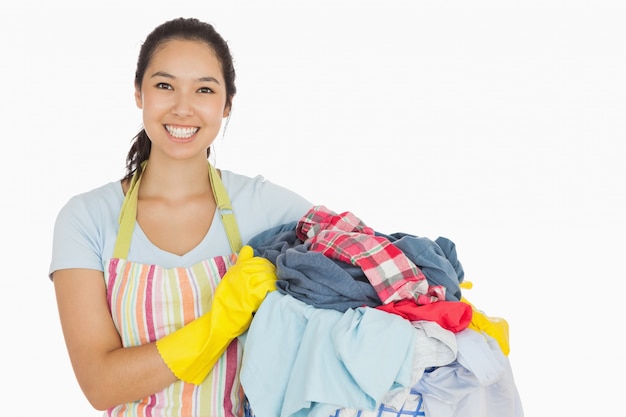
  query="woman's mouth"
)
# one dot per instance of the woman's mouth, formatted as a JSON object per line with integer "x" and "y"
{"x": 181, "y": 133}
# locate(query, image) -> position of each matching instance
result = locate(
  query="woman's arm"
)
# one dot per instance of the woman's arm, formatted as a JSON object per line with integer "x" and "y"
{"x": 107, "y": 373}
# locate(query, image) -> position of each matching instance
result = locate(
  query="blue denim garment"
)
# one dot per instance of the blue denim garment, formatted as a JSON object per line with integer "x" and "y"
{"x": 437, "y": 259}
{"x": 322, "y": 282}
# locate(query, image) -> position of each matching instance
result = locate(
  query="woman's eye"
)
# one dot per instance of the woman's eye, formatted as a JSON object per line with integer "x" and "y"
{"x": 164, "y": 86}
{"x": 205, "y": 90}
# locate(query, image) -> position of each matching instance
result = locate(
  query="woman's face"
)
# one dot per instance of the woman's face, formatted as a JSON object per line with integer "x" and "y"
{"x": 183, "y": 98}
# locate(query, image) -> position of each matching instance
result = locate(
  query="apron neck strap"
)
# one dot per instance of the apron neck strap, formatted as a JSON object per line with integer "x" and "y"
{"x": 128, "y": 213}
{"x": 227, "y": 214}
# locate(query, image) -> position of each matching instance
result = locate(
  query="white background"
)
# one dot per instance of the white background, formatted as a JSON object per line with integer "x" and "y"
{"x": 500, "y": 125}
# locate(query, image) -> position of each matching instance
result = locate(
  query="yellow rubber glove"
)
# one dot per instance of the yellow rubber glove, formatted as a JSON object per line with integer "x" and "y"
{"x": 496, "y": 327}
{"x": 192, "y": 351}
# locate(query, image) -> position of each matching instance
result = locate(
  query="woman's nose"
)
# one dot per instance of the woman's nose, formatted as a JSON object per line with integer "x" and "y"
{"x": 182, "y": 106}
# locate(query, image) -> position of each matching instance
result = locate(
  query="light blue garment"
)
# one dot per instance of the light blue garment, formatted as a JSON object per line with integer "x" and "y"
{"x": 479, "y": 384}
{"x": 86, "y": 227}
{"x": 325, "y": 360}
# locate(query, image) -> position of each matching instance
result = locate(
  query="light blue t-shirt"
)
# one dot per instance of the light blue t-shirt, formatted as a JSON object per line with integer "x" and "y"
{"x": 86, "y": 227}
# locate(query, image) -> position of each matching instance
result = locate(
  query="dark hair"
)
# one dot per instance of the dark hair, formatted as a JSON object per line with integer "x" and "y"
{"x": 185, "y": 29}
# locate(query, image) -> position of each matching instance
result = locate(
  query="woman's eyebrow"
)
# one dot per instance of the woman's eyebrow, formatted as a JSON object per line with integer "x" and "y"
{"x": 209, "y": 79}
{"x": 162, "y": 74}
{"x": 168, "y": 75}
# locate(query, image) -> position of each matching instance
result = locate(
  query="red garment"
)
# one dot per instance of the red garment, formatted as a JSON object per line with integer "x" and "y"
{"x": 451, "y": 315}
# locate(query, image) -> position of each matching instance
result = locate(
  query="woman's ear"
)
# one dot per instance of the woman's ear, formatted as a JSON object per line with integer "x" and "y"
{"x": 138, "y": 98}
{"x": 228, "y": 106}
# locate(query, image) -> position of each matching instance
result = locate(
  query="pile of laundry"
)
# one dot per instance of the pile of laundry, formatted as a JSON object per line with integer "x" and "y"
{"x": 368, "y": 324}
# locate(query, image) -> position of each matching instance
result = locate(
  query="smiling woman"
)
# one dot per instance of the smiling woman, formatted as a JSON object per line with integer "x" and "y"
{"x": 183, "y": 98}
{"x": 146, "y": 268}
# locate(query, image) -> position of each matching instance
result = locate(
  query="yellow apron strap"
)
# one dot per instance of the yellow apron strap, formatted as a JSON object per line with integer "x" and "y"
{"x": 226, "y": 210}
{"x": 128, "y": 214}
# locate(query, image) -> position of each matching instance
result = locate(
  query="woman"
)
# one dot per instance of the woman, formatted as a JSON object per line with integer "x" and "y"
{"x": 136, "y": 263}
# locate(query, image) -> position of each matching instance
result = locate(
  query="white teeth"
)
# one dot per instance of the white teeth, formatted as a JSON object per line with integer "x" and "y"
{"x": 181, "y": 132}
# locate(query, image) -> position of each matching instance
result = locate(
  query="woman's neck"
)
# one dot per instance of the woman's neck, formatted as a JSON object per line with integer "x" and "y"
{"x": 175, "y": 180}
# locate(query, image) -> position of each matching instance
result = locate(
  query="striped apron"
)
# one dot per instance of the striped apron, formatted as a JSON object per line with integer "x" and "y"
{"x": 148, "y": 302}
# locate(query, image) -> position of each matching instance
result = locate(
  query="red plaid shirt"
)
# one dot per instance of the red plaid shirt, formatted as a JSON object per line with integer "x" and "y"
{"x": 346, "y": 238}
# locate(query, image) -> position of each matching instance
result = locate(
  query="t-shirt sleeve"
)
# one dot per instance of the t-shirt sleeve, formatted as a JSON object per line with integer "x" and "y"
{"x": 262, "y": 204}
{"x": 282, "y": 205}
{"x": 75, "y": 238}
